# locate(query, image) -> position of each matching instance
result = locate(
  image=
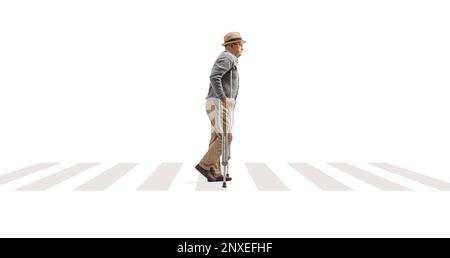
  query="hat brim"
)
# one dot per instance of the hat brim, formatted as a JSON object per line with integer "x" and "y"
{"x": 234, "y": 41}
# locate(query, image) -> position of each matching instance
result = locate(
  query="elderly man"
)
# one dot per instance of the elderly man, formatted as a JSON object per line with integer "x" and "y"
{"x": 220, "y": 103}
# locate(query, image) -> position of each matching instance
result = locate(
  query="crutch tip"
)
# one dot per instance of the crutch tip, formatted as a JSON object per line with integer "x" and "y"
{"x": 224, "y": 185}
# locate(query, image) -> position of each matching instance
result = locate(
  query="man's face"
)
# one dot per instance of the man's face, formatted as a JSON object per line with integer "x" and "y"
{"x": 237, "y": 49}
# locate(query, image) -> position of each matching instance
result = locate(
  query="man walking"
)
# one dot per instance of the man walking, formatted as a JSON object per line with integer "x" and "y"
{"x": 220, "y": 103}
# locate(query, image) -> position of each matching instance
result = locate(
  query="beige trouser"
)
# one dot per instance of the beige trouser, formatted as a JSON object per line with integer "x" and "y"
{"x": 217, "y": 115}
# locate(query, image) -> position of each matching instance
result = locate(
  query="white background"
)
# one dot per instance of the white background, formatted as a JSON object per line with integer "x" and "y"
{"x": 321, "y": 81}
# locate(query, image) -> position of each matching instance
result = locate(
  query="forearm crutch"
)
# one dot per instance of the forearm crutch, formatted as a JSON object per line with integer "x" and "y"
{"x": 225, "y": 146}
{"x": 225, "y": 143}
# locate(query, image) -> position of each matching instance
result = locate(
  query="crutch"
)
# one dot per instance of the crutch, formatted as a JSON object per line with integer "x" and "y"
{"x": 225, "y": 143}
{"x": 225, "y": 149}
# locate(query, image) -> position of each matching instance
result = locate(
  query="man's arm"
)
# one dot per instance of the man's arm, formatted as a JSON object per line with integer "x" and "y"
{"x": 221, "y": 66}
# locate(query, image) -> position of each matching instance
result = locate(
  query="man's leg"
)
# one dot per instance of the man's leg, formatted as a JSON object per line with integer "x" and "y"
{"x": 211, "y": 160}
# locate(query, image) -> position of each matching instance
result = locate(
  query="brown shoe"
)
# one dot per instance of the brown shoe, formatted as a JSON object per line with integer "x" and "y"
{"x": 205, "y": 173}
{"x": 219, "y": 179}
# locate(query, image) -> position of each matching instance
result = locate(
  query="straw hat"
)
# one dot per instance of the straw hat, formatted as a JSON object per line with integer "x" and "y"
{"x": 232, "y": 37}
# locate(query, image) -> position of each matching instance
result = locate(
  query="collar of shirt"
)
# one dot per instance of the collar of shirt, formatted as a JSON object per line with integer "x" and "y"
{"x": 236, "y": 60}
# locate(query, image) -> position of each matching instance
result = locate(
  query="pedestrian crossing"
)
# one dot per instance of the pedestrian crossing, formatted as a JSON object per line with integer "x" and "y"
{"x": 369, "y": 178}
{"x": 247, "y": 176}
{"x": 264, "y": 178}
{"x": 107, "y": 178}
{"x": 319, "y": 178}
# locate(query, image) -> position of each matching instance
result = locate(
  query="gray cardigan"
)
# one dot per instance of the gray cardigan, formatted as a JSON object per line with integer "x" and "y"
{"x": 223, "y": 69}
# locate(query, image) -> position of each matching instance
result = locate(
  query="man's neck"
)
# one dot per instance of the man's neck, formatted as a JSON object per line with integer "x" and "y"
{"x": 231, "y": 53}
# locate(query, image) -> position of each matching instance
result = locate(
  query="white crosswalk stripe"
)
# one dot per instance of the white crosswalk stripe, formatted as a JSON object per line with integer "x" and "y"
{"x": 319, "y": 178}
{"x": 370, "y": 178}
{"x": 56, "y": 178}
{"x": 179, "y": 176}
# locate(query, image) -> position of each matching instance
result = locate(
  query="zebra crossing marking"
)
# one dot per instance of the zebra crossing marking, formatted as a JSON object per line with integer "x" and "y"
{"x": 264, "y": 178}
{"x": 423, "y": 179}
{"x": 107, "y": 178}
{"x": 371, "y": 179}
{"x": 319, "y": 178}
{"x": 24, "y": 172}
{"x": 161, "y": 178}
{"x": 56, "y": 178}
{"x": 258, "y": 174}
